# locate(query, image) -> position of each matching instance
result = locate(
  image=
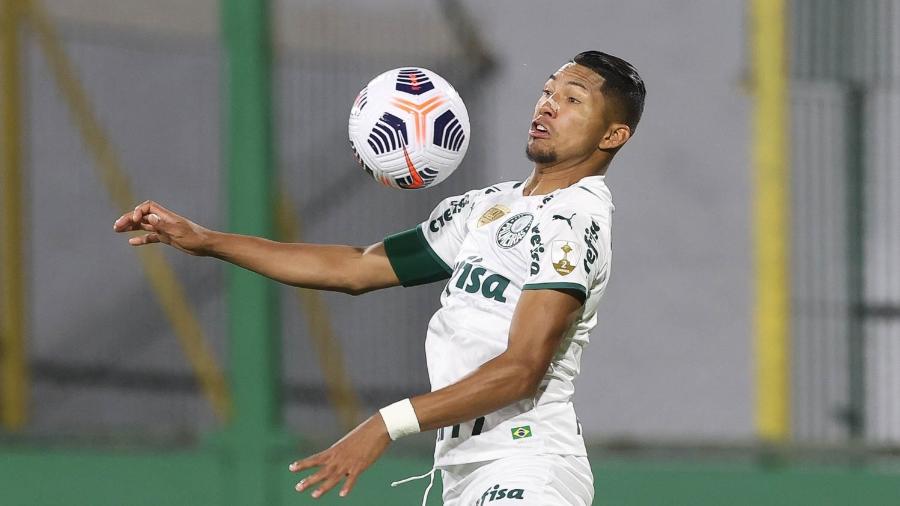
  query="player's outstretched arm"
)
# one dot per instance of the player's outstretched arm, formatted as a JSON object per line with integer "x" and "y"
{"x": 339, "y": 268}
{"x": 540, "y": 322}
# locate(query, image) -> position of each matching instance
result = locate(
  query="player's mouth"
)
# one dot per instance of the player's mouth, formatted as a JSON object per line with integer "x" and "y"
{"x": 538, "y": 130}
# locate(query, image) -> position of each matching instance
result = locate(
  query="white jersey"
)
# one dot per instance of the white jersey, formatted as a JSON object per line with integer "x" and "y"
{"x": 493, "y": 243}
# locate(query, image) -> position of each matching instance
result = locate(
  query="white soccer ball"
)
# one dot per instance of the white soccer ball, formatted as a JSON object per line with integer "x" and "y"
{"x": 409, "y": 128}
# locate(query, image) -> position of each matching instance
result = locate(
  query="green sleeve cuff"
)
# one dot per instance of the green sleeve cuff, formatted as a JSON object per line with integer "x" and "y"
{"x": 558, "y": 286}
{"x": 413, "y": 260}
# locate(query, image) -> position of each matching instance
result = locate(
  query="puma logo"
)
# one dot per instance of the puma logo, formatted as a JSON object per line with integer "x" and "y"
{"x": 563, "y": 218}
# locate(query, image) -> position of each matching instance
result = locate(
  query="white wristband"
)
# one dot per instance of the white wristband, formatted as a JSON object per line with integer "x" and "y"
{"x": 400, "y": 419}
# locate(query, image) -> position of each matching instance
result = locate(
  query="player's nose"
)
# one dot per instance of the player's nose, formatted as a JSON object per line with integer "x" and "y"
{"x": 548, "y": 106}
{"x": 546, "y": 112}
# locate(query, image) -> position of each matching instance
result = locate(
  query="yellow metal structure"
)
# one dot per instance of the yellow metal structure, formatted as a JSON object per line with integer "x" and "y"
{"x": 340, "y": 391}
{"x": 771, "y": 226}
{"x": 169, "y": 290}
{"x": 13, "y": 357}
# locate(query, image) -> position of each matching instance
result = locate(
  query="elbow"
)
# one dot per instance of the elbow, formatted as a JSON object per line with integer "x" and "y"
{"x": 527, "y": 379}
{"x": 345, "y": 286}
{"x": 357, "y": 288}
{"x": 531, "y": 387}
{"x": 351, "y": 282}
{"x": 357, "y": 277}
{"x": 354, "y": 290}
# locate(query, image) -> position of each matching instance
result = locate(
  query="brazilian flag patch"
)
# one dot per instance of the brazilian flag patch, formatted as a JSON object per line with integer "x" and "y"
{"x": 521, "y": 432}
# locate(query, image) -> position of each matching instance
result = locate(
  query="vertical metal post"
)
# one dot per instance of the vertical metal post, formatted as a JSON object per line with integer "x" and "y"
{"x": 856, "y": 239}
{"x": 855, "y": 182}
{"x": 252, "y": 299}
{"x": 771, "y": 221}
{"x": 13, "y": 359}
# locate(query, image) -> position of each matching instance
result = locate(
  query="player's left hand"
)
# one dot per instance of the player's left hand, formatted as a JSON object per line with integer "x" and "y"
{"x": 347, "y": 458}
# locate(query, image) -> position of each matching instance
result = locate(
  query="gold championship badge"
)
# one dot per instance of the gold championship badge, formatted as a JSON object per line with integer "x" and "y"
{"x": 563, "y": 255}
{"x": 492, "y": 214}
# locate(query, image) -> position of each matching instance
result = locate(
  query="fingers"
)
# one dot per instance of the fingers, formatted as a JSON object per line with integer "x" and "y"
{"x": 308, "y": 462}
{"x": 146, "y": 210}
{"x": 329, "y": 477}
{"x": 332, "y": 480}
{"x": 348, "y": 485}
{"x": 311, "y": 480}
{"x": 147, "y": 217}
{"x": 144, "y": 239}
{"x": 124, "y": 223}
{"x": 138, "y": 214}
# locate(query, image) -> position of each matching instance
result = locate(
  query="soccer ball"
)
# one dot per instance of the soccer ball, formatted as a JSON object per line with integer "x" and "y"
{"x": 409, "y": 128}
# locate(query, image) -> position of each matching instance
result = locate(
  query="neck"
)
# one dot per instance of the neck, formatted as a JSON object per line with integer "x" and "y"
{"x": 546, "y": 178}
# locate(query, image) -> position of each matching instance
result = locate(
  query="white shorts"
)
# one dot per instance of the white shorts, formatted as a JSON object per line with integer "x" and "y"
{"x": 530, "y": 480}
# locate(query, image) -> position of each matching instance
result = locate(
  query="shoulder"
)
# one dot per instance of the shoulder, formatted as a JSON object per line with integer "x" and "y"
{"x": 463, "y": 204}
{"x": 588, "y": 197}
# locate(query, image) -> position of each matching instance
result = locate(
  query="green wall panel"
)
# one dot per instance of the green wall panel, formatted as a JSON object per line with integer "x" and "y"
{"x": 33, "y": 477}
{"x": 674, "y": 483}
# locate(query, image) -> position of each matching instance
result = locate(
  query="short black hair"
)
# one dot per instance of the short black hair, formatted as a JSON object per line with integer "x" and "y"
{"x": 621, "y": 83}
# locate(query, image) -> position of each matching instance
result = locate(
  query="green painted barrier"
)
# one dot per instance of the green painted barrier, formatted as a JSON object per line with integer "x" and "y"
{"x": 34, "y": 477}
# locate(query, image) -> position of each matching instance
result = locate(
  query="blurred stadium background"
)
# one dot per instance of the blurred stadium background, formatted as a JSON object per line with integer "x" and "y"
{"x": 748, "y": 350}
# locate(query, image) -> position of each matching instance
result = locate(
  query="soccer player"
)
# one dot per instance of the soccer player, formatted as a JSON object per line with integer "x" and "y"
{"x": 526, "y": 264}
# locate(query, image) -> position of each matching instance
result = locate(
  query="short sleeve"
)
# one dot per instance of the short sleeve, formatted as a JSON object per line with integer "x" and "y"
{"x": 425, "y": 254}
{"x": 570, "y": 252}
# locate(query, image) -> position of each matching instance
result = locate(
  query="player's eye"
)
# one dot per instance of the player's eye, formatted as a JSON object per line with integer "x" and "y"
{"x": 547, "y": 92}
{"x": 573, "y": 100}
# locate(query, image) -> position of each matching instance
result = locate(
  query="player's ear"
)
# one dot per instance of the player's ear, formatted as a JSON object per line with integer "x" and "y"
{"x": 616, "y": 135}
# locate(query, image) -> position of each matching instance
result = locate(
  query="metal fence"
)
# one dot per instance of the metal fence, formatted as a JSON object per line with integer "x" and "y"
{"x": 845, "y": 112}
{"x": 112, "y": 114}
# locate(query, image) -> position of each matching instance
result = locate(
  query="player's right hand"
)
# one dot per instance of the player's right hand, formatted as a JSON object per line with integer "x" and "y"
{"x": 163, "y": 226}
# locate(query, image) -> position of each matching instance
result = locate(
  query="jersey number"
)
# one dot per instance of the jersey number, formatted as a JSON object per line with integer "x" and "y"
{"x": 454, "y": 431}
